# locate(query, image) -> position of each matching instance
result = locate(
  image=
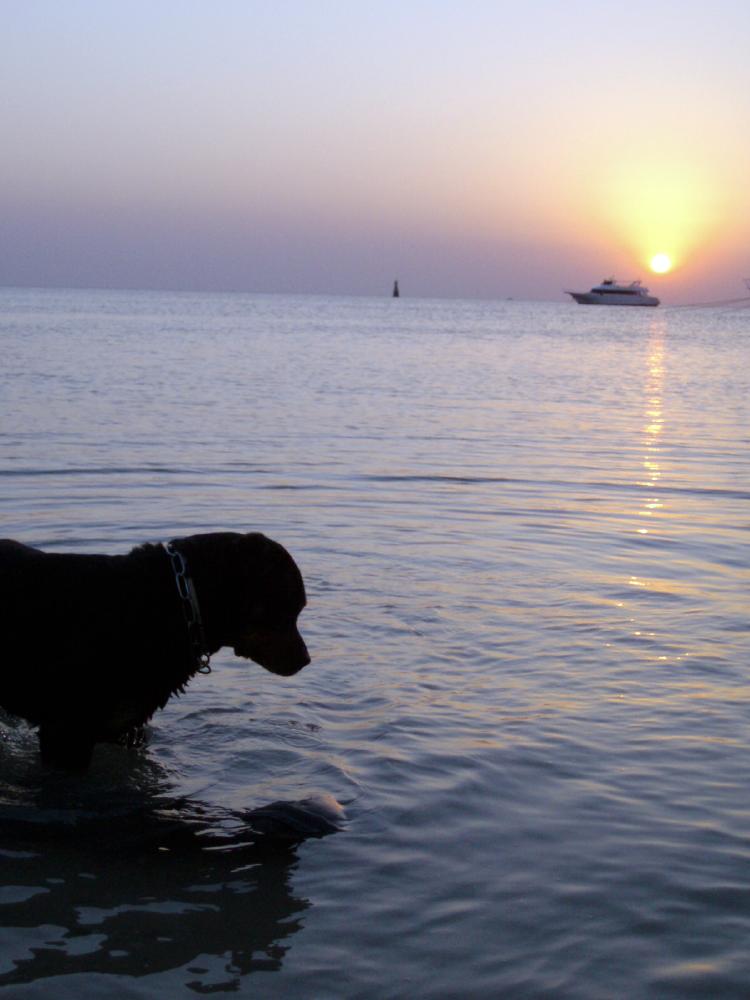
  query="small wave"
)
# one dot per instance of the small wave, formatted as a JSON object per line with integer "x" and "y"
{"x": 299, "y": 487}
{"x": 436, "y": 478}
{"x": 126, "y": 470}
{"x": 132, "y": 470}
{"x": 451, "y": 479}
{"x": 561, "y": 483}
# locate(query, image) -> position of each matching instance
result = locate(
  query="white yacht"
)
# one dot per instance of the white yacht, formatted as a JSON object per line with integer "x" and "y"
{"x": 613, "y": 293}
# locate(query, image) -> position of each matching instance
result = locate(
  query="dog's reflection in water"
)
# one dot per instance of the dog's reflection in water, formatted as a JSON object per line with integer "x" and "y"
{"x": 200, "y": 893}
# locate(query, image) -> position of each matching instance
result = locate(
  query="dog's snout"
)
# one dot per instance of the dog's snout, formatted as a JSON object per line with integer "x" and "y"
{"x": 299, "y": 656}
{"x": 304, "y": 658}
{"x": 283, "y": 653}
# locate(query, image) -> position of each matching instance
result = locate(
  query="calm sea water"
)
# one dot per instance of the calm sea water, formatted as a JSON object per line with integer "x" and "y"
{"x": 524, "y": 533}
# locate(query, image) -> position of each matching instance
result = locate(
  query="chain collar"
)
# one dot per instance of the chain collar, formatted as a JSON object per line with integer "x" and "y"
{"x": 190, "y": 608}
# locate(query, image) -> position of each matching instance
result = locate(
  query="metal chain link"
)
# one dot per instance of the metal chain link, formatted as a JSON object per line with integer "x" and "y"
{"x": 190, "y": 608}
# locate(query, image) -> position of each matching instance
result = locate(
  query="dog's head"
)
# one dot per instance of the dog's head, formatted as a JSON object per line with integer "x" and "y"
{"x": 251, "y": 593}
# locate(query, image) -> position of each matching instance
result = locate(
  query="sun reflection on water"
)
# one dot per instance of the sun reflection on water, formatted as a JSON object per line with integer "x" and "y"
{"x": 652, "y": 506}
{"x": 653, "y": 426}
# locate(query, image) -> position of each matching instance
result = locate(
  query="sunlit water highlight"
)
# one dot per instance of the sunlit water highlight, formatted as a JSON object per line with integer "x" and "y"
{"x": 524, "y": 533}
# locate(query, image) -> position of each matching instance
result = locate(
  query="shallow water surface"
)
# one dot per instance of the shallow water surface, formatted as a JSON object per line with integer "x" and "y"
{"x": 524, "y": 732}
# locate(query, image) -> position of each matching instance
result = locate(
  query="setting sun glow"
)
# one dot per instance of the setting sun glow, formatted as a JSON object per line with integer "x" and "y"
{"x": 661, "y": 263}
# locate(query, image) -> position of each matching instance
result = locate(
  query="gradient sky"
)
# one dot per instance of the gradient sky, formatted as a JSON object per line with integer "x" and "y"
{"x": 469, "y": 147}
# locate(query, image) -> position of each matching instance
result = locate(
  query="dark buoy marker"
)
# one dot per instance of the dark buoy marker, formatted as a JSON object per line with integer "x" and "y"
{"x": 396, "y": 292}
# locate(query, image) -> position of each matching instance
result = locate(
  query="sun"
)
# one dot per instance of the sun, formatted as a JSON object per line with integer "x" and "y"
{"x": 661, "y": 263}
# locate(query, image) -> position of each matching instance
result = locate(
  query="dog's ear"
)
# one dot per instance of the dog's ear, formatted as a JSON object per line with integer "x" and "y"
{"x": 257, "y": 545}
{"x": 242, "y": 579}
{"x": 223, "y": 549}
{"x": 278, "y": 575}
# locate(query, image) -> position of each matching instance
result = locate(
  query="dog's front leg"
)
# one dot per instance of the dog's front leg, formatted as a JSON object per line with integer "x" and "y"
{"x": 64, "y": 746}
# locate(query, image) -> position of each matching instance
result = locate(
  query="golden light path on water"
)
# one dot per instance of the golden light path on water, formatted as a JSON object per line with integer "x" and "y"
{"x": 653, "y": 507}
{"x": 652, "y": 430}
{"x": 654, "y": 412}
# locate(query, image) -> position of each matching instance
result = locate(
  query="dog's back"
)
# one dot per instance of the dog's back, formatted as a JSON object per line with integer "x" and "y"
{"x": 76, "y": 628}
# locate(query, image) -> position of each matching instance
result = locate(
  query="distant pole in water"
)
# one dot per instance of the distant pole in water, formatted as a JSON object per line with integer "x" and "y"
{"x": 396, "y": 292}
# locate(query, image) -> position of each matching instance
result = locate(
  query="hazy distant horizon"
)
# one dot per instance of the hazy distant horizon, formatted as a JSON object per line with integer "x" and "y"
{"x": 740, "y": 298}
{"x": 470, "y": 150}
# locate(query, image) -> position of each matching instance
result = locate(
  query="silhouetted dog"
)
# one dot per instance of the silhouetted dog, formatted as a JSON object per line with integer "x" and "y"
{"x": 93, "y": 645}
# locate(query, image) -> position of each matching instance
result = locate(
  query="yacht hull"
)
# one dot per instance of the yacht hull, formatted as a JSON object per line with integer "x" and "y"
{"x": 613, "y": 299}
